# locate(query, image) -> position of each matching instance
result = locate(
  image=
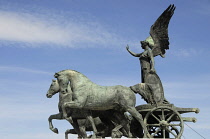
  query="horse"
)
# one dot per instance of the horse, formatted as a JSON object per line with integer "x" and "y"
{"x": 88, "y": 95}
{"x": 80, "y": 116}
{"x": 80, "y": 129}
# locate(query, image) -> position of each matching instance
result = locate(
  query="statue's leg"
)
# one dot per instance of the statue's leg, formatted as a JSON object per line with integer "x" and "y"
{"x": 82, "y": 127}
{"x": 73, "y": 104}
{"x": 109, "y": 126}
{"x": 90, "y": 118}
{"x": 72, "y": 131}
{"x": 83, "y": 131}
{"x": 117, "y": 127}
{"x": 58, "y": 116}
{"x": 126, "y": 124}
{"x": 138, "y": 116}
{"x": 122, "y": 121}
{"x": 77, "y": 123}
{"x": 126, "y": 128}
{"x": 116, "y": 133}
{"x": 68, "y": 131}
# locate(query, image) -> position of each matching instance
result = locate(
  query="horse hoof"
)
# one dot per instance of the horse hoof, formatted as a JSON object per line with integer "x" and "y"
{"x": 55, "y": 130}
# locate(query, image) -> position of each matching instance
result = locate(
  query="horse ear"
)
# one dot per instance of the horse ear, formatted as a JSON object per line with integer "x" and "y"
{"x": 56, "y": 75}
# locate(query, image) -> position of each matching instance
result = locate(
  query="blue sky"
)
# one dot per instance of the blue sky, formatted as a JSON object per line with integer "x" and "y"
{"x": 39, "y": 38}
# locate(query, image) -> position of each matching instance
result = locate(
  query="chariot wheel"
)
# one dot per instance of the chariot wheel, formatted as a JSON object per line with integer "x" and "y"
{"x": 164, "y": 122}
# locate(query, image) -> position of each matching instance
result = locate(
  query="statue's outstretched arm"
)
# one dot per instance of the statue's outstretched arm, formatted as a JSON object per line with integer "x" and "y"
{"x": 132, "y": 53}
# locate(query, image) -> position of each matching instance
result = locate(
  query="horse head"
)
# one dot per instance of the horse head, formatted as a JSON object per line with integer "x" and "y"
{"x": 62, "y": 81}
{"x": 54, "y": 88}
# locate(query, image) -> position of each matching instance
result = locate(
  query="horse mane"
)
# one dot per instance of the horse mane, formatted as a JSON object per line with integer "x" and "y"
{"x": 63, "y": 72}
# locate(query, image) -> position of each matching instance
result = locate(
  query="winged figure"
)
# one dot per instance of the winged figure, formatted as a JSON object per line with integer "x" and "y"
{"x": 156, "y": 43}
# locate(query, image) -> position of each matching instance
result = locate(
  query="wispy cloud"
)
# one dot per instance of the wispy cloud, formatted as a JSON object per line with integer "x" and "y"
{"x": 36, "y": 29}
{"x": 21, "y": 69}
{"x": 26, "y": 28}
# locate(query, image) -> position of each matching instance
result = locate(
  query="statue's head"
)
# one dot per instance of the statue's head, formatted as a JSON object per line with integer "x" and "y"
{"x": 143, "y": 44}
{"x": 149, "y": 42}
{"x": 54, "y": 88}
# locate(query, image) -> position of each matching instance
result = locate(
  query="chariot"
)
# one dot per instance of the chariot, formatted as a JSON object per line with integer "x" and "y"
{"x": 163, "y": 121}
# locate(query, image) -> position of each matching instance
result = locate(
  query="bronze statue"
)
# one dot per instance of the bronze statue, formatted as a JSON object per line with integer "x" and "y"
{"x": 106, "y": 108}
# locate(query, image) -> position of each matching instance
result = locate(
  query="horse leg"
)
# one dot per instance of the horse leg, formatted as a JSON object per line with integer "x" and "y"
{"x": 77, "y": 123}
{"x": 90, "y": 118}
{"x": 83, "y": 131}
{"x": 116, "y": 133}
{"x": 68, "y": 131}
{"x": 109, "y": 125}
{"x": 122, "y": 121}
{"x": 126, "y": 129}
{"x": 138, "y": 116}
{"x": 117, "y": 127}
{"x": 126, "y": 124}
{"x": 72, "y": 104}
{"x": 58, "y": 116}
{"x": 82, "y": 127}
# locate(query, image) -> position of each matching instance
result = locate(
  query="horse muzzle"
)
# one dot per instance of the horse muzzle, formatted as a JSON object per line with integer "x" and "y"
{"x": 48, "y": 95}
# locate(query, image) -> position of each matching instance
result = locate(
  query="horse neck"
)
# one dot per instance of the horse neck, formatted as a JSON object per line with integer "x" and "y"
{"x": 77, "y": 80}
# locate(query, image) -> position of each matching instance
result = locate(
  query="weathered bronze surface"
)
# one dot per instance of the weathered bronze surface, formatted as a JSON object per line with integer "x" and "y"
{"x": 111, "y": 111}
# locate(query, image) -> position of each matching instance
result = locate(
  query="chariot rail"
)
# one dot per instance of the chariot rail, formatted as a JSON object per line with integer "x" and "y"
{"x": 148, "y": 107}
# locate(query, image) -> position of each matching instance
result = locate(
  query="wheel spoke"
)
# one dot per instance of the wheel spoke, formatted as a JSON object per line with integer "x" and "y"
{"x": 175, "y": 124}
{"x": 170, "y": 117}
{"x": 156, "y": 132}
{"x": 170, "y": 131}
{"x": 155, "y": 117}
{"x": 164, "y": 133}
{"x": 175, "y": 129}
{"x": 163, "y": 116}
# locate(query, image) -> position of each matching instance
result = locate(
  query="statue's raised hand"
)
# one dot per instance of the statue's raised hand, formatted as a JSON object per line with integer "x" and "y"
{"x": 127, "y": 47}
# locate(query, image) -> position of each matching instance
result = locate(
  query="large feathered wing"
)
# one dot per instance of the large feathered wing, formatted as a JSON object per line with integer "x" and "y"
{"x": 159, "y": 32}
